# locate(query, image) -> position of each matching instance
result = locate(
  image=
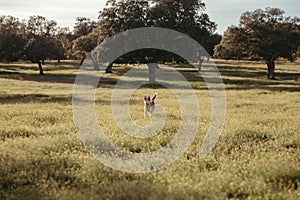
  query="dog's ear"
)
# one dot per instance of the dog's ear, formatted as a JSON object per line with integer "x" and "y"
{"x": 145, "y": 98}
{"x": 148, "y": 98}
{"x": 154, "y": 97}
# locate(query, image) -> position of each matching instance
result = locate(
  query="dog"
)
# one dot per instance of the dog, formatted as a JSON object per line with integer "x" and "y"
{"x": 149, "y": 105}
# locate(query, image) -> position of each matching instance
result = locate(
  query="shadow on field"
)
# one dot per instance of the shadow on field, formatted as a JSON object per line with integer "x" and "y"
{"x": 14, "y": 68}
{"x": 235, "y": 77}
{"x": 242, "y": 72}
{"x": 248, "y": 72}
{"x": 106, "y": 82}
{"x": 29, "y": 72}
{"x": 26, "y": 98}
{"x": 49, "y": 66}
{"x": 52, "y": 78}
{"x": 263, "y": 84}
{"x": 270, "y": 88}
{"x": 44, "y": 98}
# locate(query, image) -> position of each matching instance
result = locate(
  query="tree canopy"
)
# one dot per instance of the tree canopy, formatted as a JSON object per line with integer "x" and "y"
{"x": 12, "y": 39}
{"x": 43, "y": 41}
{"x": 188, "y": 17}
{"x": 262, "y": 34}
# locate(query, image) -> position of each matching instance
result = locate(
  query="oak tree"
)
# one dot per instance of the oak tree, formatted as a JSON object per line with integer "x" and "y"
{"x": 186, "y": 16}
{"x": 265, "y": 34}
{"x": 43, "y": 41}
{"x": 12, "y": 40}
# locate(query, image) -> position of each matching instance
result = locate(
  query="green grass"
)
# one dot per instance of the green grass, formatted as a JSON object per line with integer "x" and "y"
{"x": 256, "y": 157}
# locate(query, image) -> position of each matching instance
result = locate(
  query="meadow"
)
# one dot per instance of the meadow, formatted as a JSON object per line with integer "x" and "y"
{"x": 256, "y": 157}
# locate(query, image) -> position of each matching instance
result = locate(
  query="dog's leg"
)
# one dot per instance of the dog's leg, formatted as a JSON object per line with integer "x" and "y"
{"x": 152, "y": 105}
{"x": 152, "y": 108}
{"x": 145, "y": 106}
{"x": 145, "y": 111}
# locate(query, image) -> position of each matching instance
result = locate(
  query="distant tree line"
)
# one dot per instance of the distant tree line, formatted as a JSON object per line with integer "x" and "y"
{"x": 38, "y": 38}
{"x": 261, "y": 34}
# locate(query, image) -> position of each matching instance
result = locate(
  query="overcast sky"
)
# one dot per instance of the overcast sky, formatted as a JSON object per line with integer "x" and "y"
{"x": 223, "y": 12}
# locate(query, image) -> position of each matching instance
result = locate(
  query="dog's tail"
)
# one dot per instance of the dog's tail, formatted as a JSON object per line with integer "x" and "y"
{"x": 154, "y": 97}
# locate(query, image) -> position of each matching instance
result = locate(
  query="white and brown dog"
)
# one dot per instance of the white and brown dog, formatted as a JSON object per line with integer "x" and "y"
{"x": 149, "y": 105}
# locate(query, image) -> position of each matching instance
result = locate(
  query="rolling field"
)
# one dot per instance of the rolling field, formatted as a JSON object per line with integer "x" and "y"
{"x": 256, "y": 157}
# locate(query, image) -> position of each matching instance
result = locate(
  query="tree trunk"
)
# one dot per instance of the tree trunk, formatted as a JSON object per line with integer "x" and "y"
{"x": 271, "y": 69}
{"x": 151, "y": 68}
{"x": 43, "y": 62}
{"x": 109, "y": 68}
{"x": 95, "y": 64}
{"x": 58, "y": 61}
{"x": 40, "y": 68}
{"x": 200, "y": 61}
{"x": 81, "y": 62}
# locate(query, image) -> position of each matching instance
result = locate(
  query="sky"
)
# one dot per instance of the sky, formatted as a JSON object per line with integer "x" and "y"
{"x": 223, "y": 12}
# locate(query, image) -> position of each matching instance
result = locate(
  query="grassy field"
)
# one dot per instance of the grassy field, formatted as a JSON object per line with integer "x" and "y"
{"x": 256, "y": 157}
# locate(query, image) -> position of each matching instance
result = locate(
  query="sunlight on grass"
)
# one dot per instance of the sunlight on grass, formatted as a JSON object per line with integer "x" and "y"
{"x": 257, "y": 156}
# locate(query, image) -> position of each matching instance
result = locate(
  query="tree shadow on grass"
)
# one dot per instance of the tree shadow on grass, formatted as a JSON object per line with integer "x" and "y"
{"x": 26, "y": 98}
{"x": 63, "y": 78}
{"x": 269, "y": 88}
{"x": 61, "y": 99}
{"x": 258, "y": 82}
{"x": 255, "y": 72}
{"x": 48, "y": 66}
{"x": 241, "y": 72}
{"x": 16, "y": 68}
{"x": 52, "y": 78}
{"x": 234, "y": 77}
{"x": 287, "y": 76}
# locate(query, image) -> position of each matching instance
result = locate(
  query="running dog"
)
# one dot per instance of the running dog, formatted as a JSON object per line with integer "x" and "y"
{"x": 149, "y": 105}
